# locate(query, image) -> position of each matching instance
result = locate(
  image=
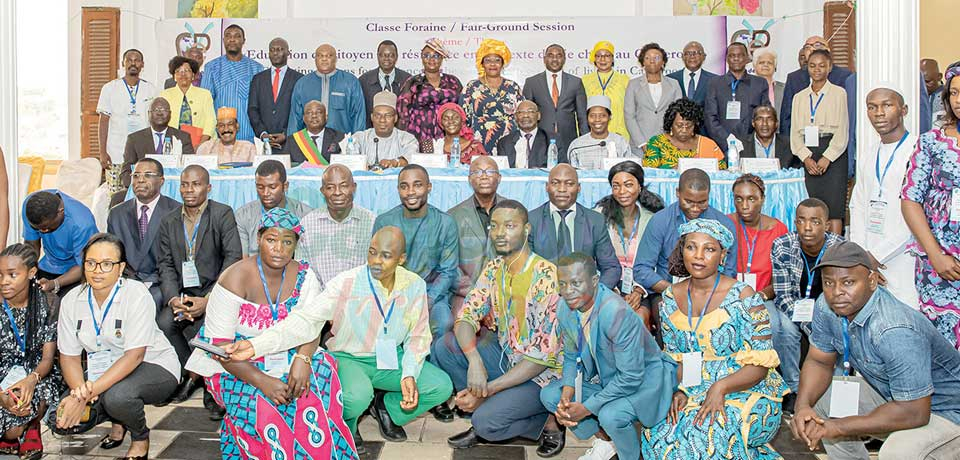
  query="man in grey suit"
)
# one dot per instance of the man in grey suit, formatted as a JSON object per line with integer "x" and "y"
{"x": 386, "y": 77}
{"x": 137, "y": 223}
{"x": 731, "y": 98}
{"x": 643, "y": 114}
{"x": 693, "y": 79}
{"x": 562, "y": 226}
{"x": 560, "y": 97}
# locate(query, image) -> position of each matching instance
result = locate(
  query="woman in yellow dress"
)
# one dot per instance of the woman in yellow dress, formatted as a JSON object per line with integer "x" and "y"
{"x": 610, "y": 83}
{"x": 190, "y": 106}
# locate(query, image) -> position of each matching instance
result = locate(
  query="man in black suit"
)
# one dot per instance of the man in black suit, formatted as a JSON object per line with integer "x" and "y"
{"x": 693, "y": 79}
{"x": 562, "y": 226}
{"x": 137, "y": 223}
{"x": 766, "y": 142}
{"x": 527, "y": 146}
{"x": 270, "y": 91}
{"x": 158, "y": 139}
{"x": 196, "y": 244}
{"x": 386, "y": 77}
{"x": 563, "y": 117}
{"x": 315, "y": 142}
{"x": 732, "y": 97}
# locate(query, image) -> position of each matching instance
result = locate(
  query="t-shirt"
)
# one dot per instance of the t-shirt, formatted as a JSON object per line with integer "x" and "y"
{"x": 761, "y": 264}
{"x": 63, "y": 247}
{"x": 817, "y": 287}
{"x": 125, "y": 118}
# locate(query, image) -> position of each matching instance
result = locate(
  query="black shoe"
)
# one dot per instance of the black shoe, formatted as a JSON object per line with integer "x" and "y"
{"x": 389, "y": 430}
{"x": 442, "y": 413}
{"x": 216, "y": 412}
{"x": 185, "y": 390}
{"x": 462, "y": 413}
{"x": 789, "y": 401}
{"x": 107, "y": 443}
{"x": 358, "y": 441}
{"x": 464, "y": 440}
{"x": 552, "y": 442}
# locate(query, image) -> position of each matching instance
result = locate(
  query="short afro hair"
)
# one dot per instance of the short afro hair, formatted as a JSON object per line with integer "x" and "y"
{"x": 687, "y": 109}
{"x": 41, "y": 207}
{"x": 178, "y": 61}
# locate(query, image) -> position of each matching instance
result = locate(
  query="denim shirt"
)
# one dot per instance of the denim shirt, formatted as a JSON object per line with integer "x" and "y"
{"x": 897, "y": 350}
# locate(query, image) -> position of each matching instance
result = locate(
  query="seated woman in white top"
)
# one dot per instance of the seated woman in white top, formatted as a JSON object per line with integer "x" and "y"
{"x": 129, "y": 361}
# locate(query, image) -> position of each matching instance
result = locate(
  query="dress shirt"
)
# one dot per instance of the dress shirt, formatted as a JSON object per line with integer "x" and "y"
{"x": 832, "y": 117}
{"x": 522, "y": 149}
{"x": 383, "y": 81}
{"x": 696, "y": 80}
{"x": 759, "y": 149}
{"x": 333, "y": 247}
{"x": 125, "y": 118}
{"x": 656, "y": 92}
{"x": 248, "y": 221}
{"x": 570, "y": 219}
{"x": 549, "y": 76}
{"x": 157, "y": 141}
{"x": 151, "y": 206}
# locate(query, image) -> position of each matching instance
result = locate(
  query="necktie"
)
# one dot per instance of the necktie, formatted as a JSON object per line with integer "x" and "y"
{"x": 159, "y": 143}
{"x": 563, "y": 235}
{"x": 142, "y": 222}
{"x": 325, "y": 91}
{"x": 315, "y": 141}
{"x": 691, "y": 87}
{"x": 555, "y": 91}
{"x": 386, "y": 85}
{"x": 276, "y": 84}
{"x": 529, "y": 148}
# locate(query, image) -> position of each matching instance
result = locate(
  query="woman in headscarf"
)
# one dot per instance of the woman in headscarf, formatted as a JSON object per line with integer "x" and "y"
{"x": 610, "y": 83}
{"x": 453, "y": 122}
{"x": 422, "y": 94}
{"x": 490, "y": 101}
{"x": 298, "y": 388}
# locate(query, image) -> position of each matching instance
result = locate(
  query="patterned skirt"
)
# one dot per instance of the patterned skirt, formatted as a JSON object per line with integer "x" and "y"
{"x": 939, "y": 301}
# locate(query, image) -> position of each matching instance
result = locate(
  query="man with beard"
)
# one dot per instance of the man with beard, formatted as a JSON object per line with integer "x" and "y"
{"x": 386, "y": 77}
{"x": 498, "y": 374}
{"x": 228, "y": 79}
{"x": 561, "y": 99}
{"x": 766, "y": 142}
{"x": 270, "y": 93}
{"x": 473, "y": 222}
{"x": 272, "y": 186}
{"x": 227, "y": 147}
{"x": 527, "y": 146}
{"x": 338, "y": 91}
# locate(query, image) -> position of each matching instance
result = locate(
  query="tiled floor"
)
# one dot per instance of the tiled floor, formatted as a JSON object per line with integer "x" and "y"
{"x": 184, "y": 432}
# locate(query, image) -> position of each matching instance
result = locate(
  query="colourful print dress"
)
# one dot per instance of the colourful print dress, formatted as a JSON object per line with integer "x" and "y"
{"x": 418, "y": 103}
{"x": 661, "y": 153}
{"x": 490, "y": 111}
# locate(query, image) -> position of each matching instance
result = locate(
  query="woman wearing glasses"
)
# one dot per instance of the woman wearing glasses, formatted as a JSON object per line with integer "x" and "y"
{"x": 191, "y": 106}
{"x": 129, "y": 361}
{"x": 422, "y": 94}
{"x": 491, "y": 100}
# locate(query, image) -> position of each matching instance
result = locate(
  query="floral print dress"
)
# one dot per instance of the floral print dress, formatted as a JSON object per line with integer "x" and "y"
{"x": 490, "y": 111}
{"x": 418, "y": 103}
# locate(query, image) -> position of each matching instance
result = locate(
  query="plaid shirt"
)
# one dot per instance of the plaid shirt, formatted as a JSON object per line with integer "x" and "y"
{"x": 788, "y": 268}
{"x": 333, "y": 247}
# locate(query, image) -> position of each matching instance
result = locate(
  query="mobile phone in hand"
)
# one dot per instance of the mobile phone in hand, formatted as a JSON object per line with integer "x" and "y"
{"x": 209, "y": 348}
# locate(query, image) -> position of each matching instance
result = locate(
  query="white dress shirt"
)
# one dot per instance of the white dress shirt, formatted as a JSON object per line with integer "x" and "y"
{"x": 158, "y": 140}
{"x": 570, "y": 219}
{"x": 656, "y": 92}
{"x": 696, "y": 79}
{"x": 550, "y": 75}
{"x": 521, "y": 159}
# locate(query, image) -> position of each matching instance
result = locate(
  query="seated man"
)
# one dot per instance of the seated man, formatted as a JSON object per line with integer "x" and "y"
{"x": 385, "y": 145}
{"x": 381, "y": 338}
{"x": 907, "y": 388}
{"x": 562, "y": 226}
{"x": 196, "y": 244}
{"x": 316, "y": 141}
{"x": 589, "y": 150}
{"x": 336, "y": 237}
{"x": 527, "y": 147}
{"x": 272, "y": 185}
{"x": 473, "y": 222}
{"x": 797, "y": 284}
{"x": 137, "y": 223}
{"x": 61, "y": 226}
{"x": 226, "y": 147}
{"x": 623, "y": 376}
{"x": 765, "y": 142}
{"x": 504, "y": 394}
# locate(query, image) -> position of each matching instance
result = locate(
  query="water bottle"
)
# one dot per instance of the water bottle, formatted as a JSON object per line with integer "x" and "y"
{"x": 265, "y": 145}
{"x": 167, "y": 146}
{"x": 455, "y": 153}
{"x": 733, "y": 155}
{"x": 352, "y": 148}
{"x": 552, "y": 154}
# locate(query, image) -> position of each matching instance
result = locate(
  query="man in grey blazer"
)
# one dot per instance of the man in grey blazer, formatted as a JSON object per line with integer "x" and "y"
{"x": 643, "y": 115}
{"x": 386, "y": 77}
{"x": 693, "y": 78}
{"x": 564, "y": 118}
{"x": 137, "y": 223}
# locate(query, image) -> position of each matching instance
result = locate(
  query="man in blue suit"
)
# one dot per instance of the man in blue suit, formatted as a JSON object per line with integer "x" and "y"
{"x": 800, "y": 79}
{"x": 614, "y": 374}
{"x": 562, "y": 226}
{"x": 693, "y": 79}
{"x": 270, "y": 92}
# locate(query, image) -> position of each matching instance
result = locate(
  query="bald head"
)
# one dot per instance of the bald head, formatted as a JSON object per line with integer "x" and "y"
{"x": 387, "y": 251}
{"x": 484, "y": 162}
{"x": 813, "y": 43}
{"x": 390, "y": 238}
{"x": 326, "y": 58}
{"x": 693, "y": 56}
{"x": 159, "y": 114}
{"x": 278, "y": 52}
{"x": 563, "y": 186}
{"x": 336, "y": 171}
{"x": 932, "y": 77}
{"x": 484, "y": 177}
{"x": 338, "y": 187}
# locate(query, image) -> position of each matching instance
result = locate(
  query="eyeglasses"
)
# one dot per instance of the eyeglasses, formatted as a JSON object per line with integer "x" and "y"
{"x": 103, "y": 266}
{"x": 382, "y": 116}
{"x": 429, "y": 56}
{"x": 528, "y": 112}
{"x": 183, "y": 71}
{"x": 484, "y": 172}
{"x": 492, "y": 60}
{"x": 816, "y": 45}
{"x": 159, "y": 111}
{"x": 692, "y": 53}
{"x": 145, "y": 175}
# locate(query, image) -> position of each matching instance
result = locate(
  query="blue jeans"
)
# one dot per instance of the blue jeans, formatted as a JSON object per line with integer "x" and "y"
{"x": 616, "y": 417}
{"x": 786, "y": 342}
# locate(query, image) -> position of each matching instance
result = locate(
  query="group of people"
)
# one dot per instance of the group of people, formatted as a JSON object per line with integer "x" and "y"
{"x": 657, "y": 329}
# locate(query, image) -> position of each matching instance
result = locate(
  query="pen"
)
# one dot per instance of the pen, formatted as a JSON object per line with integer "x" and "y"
{"x": 14, "y": 396}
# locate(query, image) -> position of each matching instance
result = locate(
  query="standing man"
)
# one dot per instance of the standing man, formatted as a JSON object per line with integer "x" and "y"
{"x": 386, "y": 77}
{"x": 270, "y": 93}
{"x": 123, "y": 109}
{"x": 933, "y": 81}
{"x": 732, "y": 97}
{"x": 527, "y": 146}
{"x": 195, "y": 53}
{"x": 336, "y": 237}
{"x": 228, "y": 79}
{"x": 473, "y": 223}
{"x": 339, "y": 92}
{"x": 60, "y": 226}
{"x": 272, "y": 186}
{"x": 876, "y": 223}
{"x": 316, "y": 141}
{"x": 562, "y": 226}
{"x": 693, "y": 79}
{"x": 800, "y": 79}
{"x": 561, "y": 99}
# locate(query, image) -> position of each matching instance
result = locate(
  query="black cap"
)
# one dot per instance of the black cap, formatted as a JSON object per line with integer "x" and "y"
{"x": 847, "y": 254}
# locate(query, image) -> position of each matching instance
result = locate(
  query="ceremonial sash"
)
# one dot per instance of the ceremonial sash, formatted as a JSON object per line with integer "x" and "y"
{"x": 309, "y": 148}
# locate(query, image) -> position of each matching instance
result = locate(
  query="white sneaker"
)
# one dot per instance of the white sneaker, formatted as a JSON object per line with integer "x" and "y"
{"x": 601, "y": 450}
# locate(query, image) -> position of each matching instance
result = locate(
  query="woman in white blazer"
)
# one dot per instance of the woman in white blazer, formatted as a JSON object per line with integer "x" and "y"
{"x": 648, "y": 96}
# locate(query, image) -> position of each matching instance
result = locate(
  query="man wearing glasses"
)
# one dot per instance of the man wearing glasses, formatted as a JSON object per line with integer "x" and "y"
{"x": 527, "y": 146}
{"x": 384, "y": 145}
{"x": 386, "y": 77}
{"x": 800, "y": 79}
{"x": 693, "y": 79}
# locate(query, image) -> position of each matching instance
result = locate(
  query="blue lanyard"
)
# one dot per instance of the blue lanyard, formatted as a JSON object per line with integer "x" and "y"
{"x": 766, "y": 150}
{"x": 376, "y": 298}
{"x": 733, "y": 87}
{"x": 845, "y": 326}
{"x": 274, "y": 306}
{"x": 580, "y": 335}
{"x": 813, "y": 108}
{"x": 810, "y": 270}
{"x": 190, "y": 241}
{"x": 21, "y": 340}
{"x": 132, "y": 94}
{"x": 99, "y": 326}
{"x": 693, "y": 329}
{"x": 603, "y": 86}
{"x": 881, "y": 177}
{"x": 750, "y": 245}
{"x": 633, "y": 234}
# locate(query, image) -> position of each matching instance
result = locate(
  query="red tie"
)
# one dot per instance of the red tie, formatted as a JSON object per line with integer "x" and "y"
{"x": 276, "y": 84}
{"x": 555, "y": 92}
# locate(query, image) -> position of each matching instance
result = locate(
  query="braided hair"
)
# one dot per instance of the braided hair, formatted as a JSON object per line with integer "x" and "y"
{"x": 36, "y": 300}
{"x": 611, "y": 210}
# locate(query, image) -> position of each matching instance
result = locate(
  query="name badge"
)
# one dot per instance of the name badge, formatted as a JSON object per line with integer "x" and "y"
{"x": 749, "y": 278}
{"x": 578, "y": 387}
{"x": 16, "y": 374}
{"x": 733, "y": 110}
{"x": 878, "y": 212}
{"x": 803, "y": 311}
{"x": 626, "y": 280}
{"x": 811, "y": 136}
{"x": 387, "y": 354}
{"x": 191, "y": 278}
{"x": 955, "y": 206}
{"x": 692, "y": 369}
{"x": 99, "y": 362}
{"x": 276, "y": 364}
{"x": 844, "y": 398}
{"x": 134, "y": 121}
{"x": 677, "y": 279}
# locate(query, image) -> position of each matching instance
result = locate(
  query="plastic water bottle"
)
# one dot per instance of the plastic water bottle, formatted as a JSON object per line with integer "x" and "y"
{"x": 455, "y": 153}
{"x": 265, "y": 145}
{"x": 167, "y": 146}
{"x": 733, "y": 156}
{"x": 352, "y": 148}
{"x": 552, "y": 154}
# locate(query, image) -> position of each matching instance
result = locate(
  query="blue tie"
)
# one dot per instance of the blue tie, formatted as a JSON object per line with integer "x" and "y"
{"x": 159, "y": 143}
{"x": 692, "y": 87}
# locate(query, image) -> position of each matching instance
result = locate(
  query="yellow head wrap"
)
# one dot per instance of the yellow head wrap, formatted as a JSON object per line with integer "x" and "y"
{"x": 604, "y": 45}
{"x": 492, "y": 46}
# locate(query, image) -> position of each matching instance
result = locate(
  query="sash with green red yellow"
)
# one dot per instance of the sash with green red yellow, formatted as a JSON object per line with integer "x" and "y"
{"x": 309, "y": 148}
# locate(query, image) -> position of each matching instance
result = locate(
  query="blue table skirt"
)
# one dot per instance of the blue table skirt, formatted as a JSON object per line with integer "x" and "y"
{"x": 378, "y": 191}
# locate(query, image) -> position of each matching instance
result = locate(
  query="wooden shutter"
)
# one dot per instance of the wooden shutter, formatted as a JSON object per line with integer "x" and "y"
{"x": 99, "y": 63}
{"x": 839, "y": 22}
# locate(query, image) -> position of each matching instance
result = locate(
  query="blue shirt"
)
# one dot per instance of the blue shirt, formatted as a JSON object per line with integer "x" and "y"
{"x": 897, "y": 350}
{"x": 661, "y": 237}
{"x": 347, "y": 110}
{"x": 63, "y": 247}
{"x": 229, "y": 84}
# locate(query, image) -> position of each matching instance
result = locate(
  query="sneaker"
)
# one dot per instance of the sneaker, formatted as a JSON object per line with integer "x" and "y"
{"x": 601, "y": 450}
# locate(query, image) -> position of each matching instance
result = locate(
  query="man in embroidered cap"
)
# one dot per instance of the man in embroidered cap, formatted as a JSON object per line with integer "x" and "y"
{"x": 226, "y": 147}
{"x": 384, "y": 145}
{"x": 339, "y": 92}
{"x": 607, "y": 82}
{"x": 385, "y": 77}
{"x": 589, "y": 150}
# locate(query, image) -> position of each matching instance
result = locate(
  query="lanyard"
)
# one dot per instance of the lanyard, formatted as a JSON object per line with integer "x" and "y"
{"x": 693, "y": 329}
{"x": 274, "y": 306}
{"x": 750, "y": 245}
{"x": 766, "y": 149}
{"x": 132, "y": 94}
{"x": 580, "y": 335}
{"x": 21, "y": 340}
{"x": 845, "y": 330}
{"x": 192, "y": 240}
{"x": 98, "y": 326}
{"x": 633, "y": 234}
{"x": 376, "y": 298}
{"x": 881, "y": 177}
{"x": 809, "y": 270}
{"x": 733, "y": 87}
{"x": 603, "y": 85}
{"x": 813, "y": 108}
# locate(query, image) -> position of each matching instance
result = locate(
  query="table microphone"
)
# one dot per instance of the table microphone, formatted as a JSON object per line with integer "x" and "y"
{"x": 376, "y": 150}
{"x": 600, "y": 144}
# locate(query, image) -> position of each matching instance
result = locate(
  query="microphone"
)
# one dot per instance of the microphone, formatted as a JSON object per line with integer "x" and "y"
{"x": 600, "y": 144}
{"x": 376, "y": 149}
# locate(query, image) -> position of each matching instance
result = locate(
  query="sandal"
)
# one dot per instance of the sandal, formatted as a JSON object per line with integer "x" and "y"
{"x": 31, "y": 445}
{"x": 9, "y": 447}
